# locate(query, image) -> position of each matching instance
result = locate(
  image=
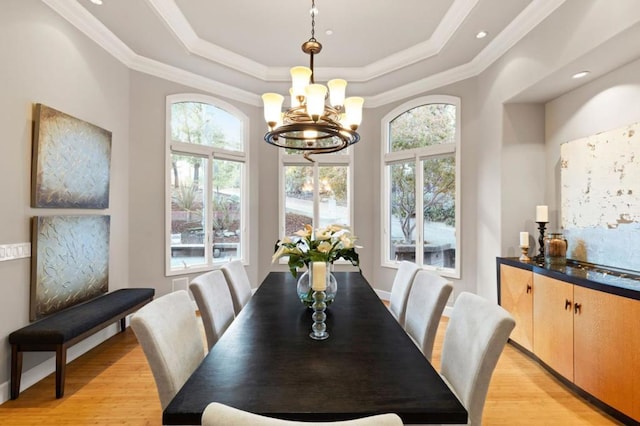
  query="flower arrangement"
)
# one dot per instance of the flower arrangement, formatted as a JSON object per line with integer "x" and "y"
{"x": 324, "y": 245}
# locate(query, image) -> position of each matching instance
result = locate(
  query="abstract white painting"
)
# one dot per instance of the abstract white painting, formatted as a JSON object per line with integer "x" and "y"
{"x": 600, "y": 190}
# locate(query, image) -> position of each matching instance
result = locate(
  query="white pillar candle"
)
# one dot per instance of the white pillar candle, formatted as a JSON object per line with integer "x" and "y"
{"x": 542, "y": 214}
{"x": 524, "y": 239}
{"x": 319, "y": 271}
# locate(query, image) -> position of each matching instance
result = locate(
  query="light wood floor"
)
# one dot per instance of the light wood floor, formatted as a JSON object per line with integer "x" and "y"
{"x": 112, "y": 384}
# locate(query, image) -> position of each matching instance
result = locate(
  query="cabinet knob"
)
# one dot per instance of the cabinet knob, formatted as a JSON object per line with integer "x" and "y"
{"x": 567, "y": 304}
{"x": 576, "y": 308}
{"x": 528, "y": 288}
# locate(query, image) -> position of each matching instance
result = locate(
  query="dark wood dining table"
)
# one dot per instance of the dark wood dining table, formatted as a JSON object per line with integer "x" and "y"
{"x": 266, "y": 363}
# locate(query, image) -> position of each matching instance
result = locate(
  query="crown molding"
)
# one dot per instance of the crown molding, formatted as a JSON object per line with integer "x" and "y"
{"x": 169, "y": 13}
{"x": 536, "y": 12}
{"x": 177, "y": 23}
{"x": 528, "y": 19}
{"x": 178, "y": 75}
{"x": 84, "y": 21}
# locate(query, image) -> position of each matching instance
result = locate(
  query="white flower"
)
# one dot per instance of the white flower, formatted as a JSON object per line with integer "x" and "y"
{"x": 306, "y": 232}
{"x": 347, "y": 241}
{"x": 323, "y": 234}
{"x": 279, "y": 253}
{"x": 324, "y": 247}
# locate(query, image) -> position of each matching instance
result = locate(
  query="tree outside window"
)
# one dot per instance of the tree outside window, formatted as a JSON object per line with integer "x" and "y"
{"x": 206, "y": 184}
{"x": 421, "y": 159}
{"x": 315, "y": 193}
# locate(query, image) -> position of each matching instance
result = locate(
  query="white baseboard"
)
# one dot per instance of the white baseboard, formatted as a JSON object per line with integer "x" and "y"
{"x": 42, "y": 370}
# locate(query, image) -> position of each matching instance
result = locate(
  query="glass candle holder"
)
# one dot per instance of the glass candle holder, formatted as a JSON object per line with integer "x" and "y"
{"x": 555, "y": 249}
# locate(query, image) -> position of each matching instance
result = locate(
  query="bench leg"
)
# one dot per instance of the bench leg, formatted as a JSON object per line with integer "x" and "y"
{"x": 61, "y": 364}
{"x": 123, "y": 323}
{"x": 16, "y": 371}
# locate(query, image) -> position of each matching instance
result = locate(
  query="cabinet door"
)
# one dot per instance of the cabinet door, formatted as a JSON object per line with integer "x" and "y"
{"x": 516, "y": 296}
{"x": 553, "y": 319}
{"x": 607, "y": 348}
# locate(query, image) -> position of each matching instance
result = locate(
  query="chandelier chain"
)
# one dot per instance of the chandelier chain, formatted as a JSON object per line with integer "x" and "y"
{"x": 313, "y": 19}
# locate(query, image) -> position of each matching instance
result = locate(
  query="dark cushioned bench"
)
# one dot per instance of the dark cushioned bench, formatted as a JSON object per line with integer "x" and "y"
{"x": 63, "y": 329}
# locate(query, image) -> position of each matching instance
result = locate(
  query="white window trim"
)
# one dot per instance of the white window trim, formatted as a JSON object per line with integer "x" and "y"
{"x": 209, "y": 153}
{"x": 417, "y": 155}
{"x": 320, "y": 161}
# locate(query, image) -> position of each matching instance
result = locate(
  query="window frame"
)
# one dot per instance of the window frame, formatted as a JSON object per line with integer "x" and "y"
{"x": 210, "y": 154}
{"x": 418, "y": 155}
{"x": 321, "y": 160}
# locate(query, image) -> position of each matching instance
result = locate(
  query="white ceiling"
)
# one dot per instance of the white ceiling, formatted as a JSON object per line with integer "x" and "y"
{"x": 242, "y": 48}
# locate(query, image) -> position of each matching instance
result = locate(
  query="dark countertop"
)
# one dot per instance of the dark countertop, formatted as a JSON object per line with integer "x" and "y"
{"x": 609, "y": 280}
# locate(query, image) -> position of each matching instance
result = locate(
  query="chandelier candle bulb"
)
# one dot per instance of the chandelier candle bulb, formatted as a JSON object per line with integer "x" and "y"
{"x": 337, "y": 88}
{"x": 299, "y": 80}
{"x": 542, "y": 214}
{"x": 272, "y": 108}
{"x": 524, "y": 239}
{"x": 353, "y": 111}
{"x": 315, "y": 100}
{"x": 319, "y": 272}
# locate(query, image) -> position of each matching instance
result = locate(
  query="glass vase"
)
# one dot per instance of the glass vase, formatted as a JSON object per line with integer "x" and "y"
{"x": 305, "y": 289}
{"x": 555, "y": 250}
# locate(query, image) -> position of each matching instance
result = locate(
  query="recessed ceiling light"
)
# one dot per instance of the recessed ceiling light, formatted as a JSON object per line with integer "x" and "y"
{"x": 98, "y": 2}
{"x": 329, "y": 32}
{"x": 482, "y": 34}
{"x": 580, "y": 74}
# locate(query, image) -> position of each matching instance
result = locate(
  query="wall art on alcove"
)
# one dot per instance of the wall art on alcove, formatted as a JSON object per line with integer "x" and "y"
{"x": 600, "y": 191}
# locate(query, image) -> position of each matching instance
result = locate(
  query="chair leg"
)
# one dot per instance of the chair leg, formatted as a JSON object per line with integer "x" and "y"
{"x": 16, "y": 371}
{"x": 61, "y": 364}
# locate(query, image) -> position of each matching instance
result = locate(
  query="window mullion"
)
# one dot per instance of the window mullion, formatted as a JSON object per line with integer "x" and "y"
{"x": 419, "y": 210}
{"x": 208, "y": 213}
{"x": 316, "y": 195}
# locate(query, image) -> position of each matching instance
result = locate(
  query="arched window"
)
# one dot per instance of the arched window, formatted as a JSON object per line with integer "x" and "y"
{"x": 421, "y": 207}
{"x": 206, "y": 183}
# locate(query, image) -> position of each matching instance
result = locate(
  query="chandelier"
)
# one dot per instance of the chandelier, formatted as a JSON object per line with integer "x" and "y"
{"x": 311, "y": 125}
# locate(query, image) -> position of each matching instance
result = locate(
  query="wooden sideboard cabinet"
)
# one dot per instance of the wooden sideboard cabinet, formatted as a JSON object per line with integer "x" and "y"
{"x": 553, "y": 324}
{"x": 606, "y": 346}
{"x": 516, "y": 295}
{"x": 586, "y": 332}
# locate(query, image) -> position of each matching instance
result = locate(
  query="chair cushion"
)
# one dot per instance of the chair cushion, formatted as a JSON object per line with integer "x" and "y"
{"x": 64, "y": 325}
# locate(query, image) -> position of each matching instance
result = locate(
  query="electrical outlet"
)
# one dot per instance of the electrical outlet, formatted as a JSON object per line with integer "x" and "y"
{"x": 180, "y": 284}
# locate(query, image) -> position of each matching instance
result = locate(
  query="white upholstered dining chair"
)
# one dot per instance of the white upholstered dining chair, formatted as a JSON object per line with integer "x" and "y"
{"x": 171, "y": 340}
{"x": 239, "y": 284}
{"x": 400, "y": 290}
{"x": 212, "y": 295}
{"x": 216, "y": 414}
{"x": 475, "y": 337}
{"x": 427, "y": 298}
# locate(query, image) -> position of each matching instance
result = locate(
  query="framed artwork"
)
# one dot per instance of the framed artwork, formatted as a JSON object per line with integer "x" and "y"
{"x": 71, "y": 161}
{"x": 70, "y": 261}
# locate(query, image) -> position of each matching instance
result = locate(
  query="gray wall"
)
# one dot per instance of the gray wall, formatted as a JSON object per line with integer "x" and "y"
{"x": 147, "y": 189}
{"x": 45, "y": 60}
{"x": 509, "y": 151}
{"x": 604, "y": 104}
{"x": 510, "y": 135}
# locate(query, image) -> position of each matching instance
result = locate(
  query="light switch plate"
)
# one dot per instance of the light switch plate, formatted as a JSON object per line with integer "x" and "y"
{"x": 14, "y": 251}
